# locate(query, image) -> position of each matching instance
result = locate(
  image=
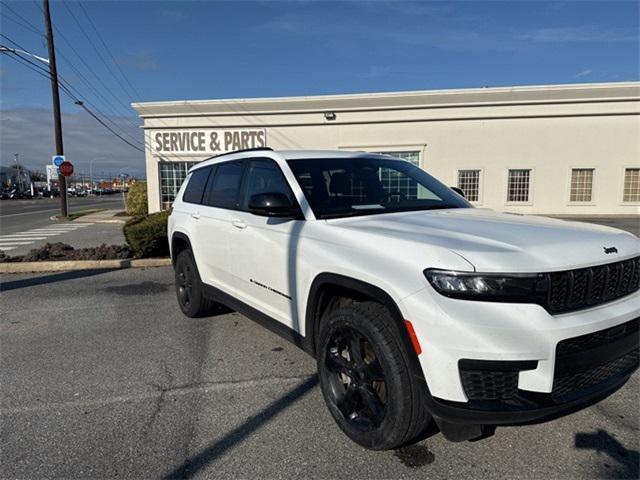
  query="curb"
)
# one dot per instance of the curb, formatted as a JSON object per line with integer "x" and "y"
{"x": 69, "y": 265}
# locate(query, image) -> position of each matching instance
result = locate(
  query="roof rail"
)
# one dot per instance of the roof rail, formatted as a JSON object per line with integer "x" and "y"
{"x": 257, "y": 149}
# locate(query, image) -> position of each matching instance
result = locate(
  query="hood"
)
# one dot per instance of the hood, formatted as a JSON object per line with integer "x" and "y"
{"x": 500, "y": 242}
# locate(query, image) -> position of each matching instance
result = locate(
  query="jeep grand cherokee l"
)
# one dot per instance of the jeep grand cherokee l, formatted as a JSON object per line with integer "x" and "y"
{"x": 416, "y": 306}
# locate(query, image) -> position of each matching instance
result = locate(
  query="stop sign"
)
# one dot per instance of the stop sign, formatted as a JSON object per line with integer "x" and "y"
{"x": 66, "y": 168}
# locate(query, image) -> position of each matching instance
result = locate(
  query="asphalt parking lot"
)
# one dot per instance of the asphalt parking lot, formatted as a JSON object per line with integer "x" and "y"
{"x": 103, "y": 377}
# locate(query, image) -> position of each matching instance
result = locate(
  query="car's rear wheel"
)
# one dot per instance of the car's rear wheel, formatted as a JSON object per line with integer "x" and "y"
{"x": 365, "y": 377}
{"x": 189, "y": 288}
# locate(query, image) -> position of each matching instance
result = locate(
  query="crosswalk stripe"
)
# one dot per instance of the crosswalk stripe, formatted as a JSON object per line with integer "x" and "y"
{"x": 6, "y": 249}
{"x": 9, "y": 244}
{"x": 27, "y": 234}
{"x": 49, "y": 230}
{"x": 21, "y": 237}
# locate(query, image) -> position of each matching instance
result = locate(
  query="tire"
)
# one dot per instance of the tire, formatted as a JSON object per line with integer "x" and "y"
{"x": 189, "y": 288}
{"x": 366, "y": 379}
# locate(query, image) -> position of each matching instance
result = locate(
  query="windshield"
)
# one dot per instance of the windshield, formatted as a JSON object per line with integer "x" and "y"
{"x": 342, "y": 187}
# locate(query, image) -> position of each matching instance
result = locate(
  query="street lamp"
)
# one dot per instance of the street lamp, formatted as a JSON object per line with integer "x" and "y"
{"x": 122, "y": 177}
{"x": 91, "y": 170}
{"x": 17, "y": 50}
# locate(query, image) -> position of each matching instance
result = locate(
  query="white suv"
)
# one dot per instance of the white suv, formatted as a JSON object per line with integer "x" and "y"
{"x": 416, "y": 305}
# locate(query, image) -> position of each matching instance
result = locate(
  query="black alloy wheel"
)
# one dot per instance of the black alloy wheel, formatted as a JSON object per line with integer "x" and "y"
{"x": 189, "y": 287}
{"x": 367, "y": 378}
{"x": 184, "y": 284}
{"x": 356, "y": 381}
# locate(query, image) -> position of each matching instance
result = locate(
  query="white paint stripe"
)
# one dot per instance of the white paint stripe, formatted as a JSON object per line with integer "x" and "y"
{"x": 21, "y": 237}
{"x": 52, "y": 230}
{"x": 56, "y": 227}
{"x": 6, "y": 249}
{"x": 9, "y": 244}
{"x": 56, "y": 232}
{"x": 29, "y": 234}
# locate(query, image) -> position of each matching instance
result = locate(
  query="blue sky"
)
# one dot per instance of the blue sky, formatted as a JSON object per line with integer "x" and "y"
{"x": 192, "y": 50}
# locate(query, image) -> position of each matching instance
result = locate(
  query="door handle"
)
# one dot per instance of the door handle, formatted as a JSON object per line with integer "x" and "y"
{"x": 239, "y": 224}
{"x": 195, "y": 215}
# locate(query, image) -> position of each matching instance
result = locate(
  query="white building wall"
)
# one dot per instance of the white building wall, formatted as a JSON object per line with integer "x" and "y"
{"x": 550, "y": 138}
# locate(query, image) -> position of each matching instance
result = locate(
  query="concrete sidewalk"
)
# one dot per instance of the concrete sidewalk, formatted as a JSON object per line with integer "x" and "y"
{"x": 103, "y": 216}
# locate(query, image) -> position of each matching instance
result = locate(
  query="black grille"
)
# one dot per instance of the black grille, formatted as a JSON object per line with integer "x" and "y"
{"x": 590, "y": 361}
{"x": 565, "y": 388}
{"x": 588, "y": 287}
{"x": 596, "y": 339}
{"x": 489, "y": 385}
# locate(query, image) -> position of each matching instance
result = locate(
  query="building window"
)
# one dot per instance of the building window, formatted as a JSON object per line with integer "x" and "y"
{"x": 581, "y": 185}
{"x": 518, "y": 186}
{"x": 172, "y": 174}
{"x": 393, "y": 181}
{"x": 631, "y": 192}
{"x": 469, "y": 183}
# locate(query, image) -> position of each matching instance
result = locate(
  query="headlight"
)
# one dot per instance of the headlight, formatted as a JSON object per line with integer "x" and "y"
{"x": 490, "y": 287}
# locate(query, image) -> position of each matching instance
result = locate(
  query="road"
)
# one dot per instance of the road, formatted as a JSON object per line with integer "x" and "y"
{"x": 20, "y": 215}
{"x": 102, "y": 376}
{"x": 25, "y": 224}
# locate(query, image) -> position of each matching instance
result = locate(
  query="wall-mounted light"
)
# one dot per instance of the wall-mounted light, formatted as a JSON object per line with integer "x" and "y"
{"x": 329, "y": 115}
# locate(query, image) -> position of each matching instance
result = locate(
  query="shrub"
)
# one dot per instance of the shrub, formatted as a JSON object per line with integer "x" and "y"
{"x": 147, "y": 236}
{"x": 137, "y": 199}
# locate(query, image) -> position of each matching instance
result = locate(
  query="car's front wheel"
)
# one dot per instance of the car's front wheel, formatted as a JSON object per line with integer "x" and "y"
{"x": 189, "y": 288}
{"x": 365, "y": 377}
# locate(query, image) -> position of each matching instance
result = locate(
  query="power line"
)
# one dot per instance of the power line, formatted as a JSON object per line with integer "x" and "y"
{"x": 27, "y": 24}
{"x": 40, "y": 71}
{"x": 107, "y": 126}
{"x": 118, "y": 100}
{"x": 104, "y": 62}
{"x": 66, "y": 84}
{"x": 106, "y": 47}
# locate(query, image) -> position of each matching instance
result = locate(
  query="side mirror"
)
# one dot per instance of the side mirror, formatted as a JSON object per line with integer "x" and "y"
{"x": 459, "y": 191}
{"x": 272, "y": 205}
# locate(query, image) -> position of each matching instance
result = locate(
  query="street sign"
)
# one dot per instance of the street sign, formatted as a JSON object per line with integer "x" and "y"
{"x": 66, "y": 168}
{"x": 52, "y": 174}
{"x": 58, "y": 160}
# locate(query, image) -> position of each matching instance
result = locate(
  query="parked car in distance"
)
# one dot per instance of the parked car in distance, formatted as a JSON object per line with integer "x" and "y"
{"x": 417, "y": 306}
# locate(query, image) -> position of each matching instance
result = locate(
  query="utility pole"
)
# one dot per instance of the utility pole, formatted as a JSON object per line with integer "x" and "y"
{"x": 57, "y": 119}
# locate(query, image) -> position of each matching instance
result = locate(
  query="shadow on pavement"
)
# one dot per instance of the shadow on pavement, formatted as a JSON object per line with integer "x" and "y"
{"x": 44, "y": 279}
{"x": 627, "y": 462}
{"x": 193, "y": 465}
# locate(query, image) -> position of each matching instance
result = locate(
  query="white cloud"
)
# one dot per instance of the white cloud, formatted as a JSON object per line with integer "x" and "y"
{"x": 583, "y": 73}
{"x": 29, "y": 132}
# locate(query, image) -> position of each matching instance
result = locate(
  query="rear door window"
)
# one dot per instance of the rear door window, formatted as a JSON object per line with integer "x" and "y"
{"x": 223, "y": 191}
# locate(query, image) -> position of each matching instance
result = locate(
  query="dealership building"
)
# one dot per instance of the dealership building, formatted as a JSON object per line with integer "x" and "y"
{"x": 556, "y": 149}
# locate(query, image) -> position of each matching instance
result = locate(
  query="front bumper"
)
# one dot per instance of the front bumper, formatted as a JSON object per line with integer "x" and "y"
{"x": 494, "y": 363}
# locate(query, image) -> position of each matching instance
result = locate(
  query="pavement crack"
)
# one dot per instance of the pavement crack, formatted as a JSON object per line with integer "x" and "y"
{"x": 159, "y": 391}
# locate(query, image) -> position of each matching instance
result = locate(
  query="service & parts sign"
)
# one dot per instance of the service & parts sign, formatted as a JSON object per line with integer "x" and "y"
{"x": 204, "y": 141}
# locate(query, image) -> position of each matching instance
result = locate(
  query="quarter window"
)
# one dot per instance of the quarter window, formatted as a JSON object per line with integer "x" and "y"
{"x": 469, "y": 183}
{"x": 518, "y": 185}
{"x": 195, "y": 187}
{"x": 224, "y": 190}
{"x": 631, "y": 192}
{"x": 581, "y": 185}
